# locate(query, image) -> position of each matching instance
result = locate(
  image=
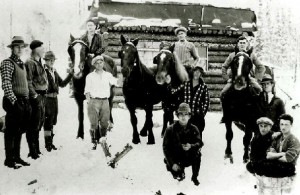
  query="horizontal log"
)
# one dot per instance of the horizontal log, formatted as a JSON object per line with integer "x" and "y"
{"x": 214, "y": 80}
{"x": 218, "y": 53}
{"x": 215, "y": 65}
{"x": 215, "y": 86}
{"x": 215, "y": 107}
{"x": 214, "y": 100}
{"x": 220, "y": 59}
{"x": 213, "y": 72}
{"x": 113, "y": 54}
{"x": 221, "y": 47}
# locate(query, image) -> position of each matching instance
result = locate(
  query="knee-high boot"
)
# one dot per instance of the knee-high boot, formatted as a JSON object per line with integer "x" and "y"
{"x": 31, "y": 145}
{"x": 93, "y": 139}
{"x": 48, "y": 142}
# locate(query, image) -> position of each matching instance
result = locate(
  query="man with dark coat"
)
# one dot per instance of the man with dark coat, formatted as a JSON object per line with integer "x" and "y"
{"x": 51, "y": 102}
{"x": 38, "y": 85}
{"x": 268, "y": 104}
{"x": 15, "y": 102}
{"x": 182, "y": 145}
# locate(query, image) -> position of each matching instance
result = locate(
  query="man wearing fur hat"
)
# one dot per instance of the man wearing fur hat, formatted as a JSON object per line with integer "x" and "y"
{"x": 185, "y": 50}
{"x": 51, "y": 102}
{"x": 38, "y": 85}
{"x": 15, "y": 102}
{"x": 182, "y": 145}
{"x": 97, "y": 92}
{"x": 268, "y": 104}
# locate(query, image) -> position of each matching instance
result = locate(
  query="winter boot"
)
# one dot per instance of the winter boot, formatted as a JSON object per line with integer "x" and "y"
{"x": 48, "y": 142}
{"x": 52, "y": 145}
{"x": 32, "y": 152}
{"x": 93, "y": 139}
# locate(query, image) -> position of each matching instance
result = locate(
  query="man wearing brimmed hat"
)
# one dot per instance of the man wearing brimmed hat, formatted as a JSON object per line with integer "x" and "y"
{"x": 195, "y": 93}
{"x": 15, "y": 102}
{"x": 268, "y": 104}
{"x": 185, "y": 50}
{"x": 97, "y": 92}
{"x": 182, "y": 145}
{"x": 51, "y": 101}
{"x": 38, "y": 85}
{"x": 260, "y": 144}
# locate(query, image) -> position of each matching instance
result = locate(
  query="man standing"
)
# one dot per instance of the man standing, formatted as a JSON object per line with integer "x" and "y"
{"x": 185, "y": 50}
{"x": 38, "y": 85}
{"x": 182, "y": 144}
{"x": 268, "y": 104}
{"x": 97, "y": 91}
{"x": 15, "y": 102}
{"x": 51, "y": 102}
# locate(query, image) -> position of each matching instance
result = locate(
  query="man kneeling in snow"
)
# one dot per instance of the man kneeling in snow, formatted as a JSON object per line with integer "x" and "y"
{"x": 182, "y": 145}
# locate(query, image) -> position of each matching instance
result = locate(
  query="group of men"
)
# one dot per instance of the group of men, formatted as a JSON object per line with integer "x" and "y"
{"x": 30, "y": 102}
{"x": 30, "y": 99}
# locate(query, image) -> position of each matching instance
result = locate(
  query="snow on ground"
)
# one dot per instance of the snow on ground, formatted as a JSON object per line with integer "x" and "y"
{"x": 76, "y": 169}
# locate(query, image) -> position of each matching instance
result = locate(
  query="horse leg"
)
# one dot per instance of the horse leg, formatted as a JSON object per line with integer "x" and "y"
{"x": 166, "y": 119}
{"x": 133, "y": 119}
{"x": 229, "y": 137}
{"x": 246, "y": 142}
{"x": 149, "y": 125}
{"x": 144, "y": 130}
{"x": 79, "y": 100}
{"x": 111, "y": 103}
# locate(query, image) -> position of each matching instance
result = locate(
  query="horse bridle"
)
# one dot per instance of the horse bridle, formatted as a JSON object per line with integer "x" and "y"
{"x": 72, "y": 45}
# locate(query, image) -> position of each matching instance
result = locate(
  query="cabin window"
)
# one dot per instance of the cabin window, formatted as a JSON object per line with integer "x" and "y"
{"x": 147, "y": 51}
{"x": 203, "y": 54}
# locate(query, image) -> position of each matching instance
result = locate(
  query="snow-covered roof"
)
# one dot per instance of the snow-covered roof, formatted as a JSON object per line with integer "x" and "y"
{"x": 116, "y": 14}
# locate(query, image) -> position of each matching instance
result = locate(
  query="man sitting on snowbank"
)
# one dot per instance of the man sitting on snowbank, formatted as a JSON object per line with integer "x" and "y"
{"x": 182, "y": 144}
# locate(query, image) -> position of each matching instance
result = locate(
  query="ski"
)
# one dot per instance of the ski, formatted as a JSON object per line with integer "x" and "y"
{"x": 119, "y": 155}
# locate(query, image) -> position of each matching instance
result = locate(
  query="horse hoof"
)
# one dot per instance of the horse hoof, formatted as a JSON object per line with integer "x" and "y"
{"x": 79, "y": 137}
{"x": 229, "y": 156}
{"x": 136, "y": 141}
{"x": 143, "y": 133}
{"x": 150, "y": 142}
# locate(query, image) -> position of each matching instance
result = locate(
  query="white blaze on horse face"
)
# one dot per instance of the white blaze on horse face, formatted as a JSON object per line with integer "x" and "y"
{"x": 162, "y": 56}
{"x": 239, "y": 70}
{"x": 77, "y": 49}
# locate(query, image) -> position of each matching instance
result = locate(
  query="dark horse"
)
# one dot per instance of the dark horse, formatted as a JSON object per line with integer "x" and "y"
{"x": 78, "y": 52}
{"x": 239, "y": 104}
{"x": 140, "y": 89}
{"x": 169, "y": 65}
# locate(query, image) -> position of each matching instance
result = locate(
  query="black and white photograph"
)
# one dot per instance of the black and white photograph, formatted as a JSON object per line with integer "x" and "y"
{"x": 149, "y": 97}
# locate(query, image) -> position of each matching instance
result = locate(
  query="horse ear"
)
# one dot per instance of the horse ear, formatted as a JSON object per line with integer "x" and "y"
{"x": 155, "y": 60}
{"x": 135, "y": 42}
{"x": 72, "y": 38}
{"x": 123, "y": 40}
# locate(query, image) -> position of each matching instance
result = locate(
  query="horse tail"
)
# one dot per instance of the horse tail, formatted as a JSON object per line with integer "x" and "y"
{"x": 180, "y": 70}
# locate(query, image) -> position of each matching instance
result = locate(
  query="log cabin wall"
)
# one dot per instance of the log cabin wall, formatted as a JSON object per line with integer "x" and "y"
{"x": 219, "y": 43}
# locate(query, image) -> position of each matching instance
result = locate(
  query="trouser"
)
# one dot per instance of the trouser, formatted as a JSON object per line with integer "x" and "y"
{"x": 271, "y": 168}
{"x": 199, "y": 122}
{"x": 253, "y": 83}
{"x": 17, "y": 121}
{"x": 36, "y": 123}
{"x": 99, "y": 112}
{"x": 51, "y": 112}
{"x": 195, "y": 162}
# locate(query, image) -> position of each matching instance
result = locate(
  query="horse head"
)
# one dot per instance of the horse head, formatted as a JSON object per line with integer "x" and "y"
{"x": 78, "y": 51}
{"x": 129, "y": 56}
{"x": 165, "y": 66}
{"x": 241, "y": 66}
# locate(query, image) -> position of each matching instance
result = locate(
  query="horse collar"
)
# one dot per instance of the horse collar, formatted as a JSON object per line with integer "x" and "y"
{"x": 164, "y": 50}
{"x": 130, "y": 43}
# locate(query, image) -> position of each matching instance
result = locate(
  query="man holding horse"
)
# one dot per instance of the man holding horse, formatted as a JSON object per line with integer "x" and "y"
{"x": 97, "y": 91}
{"x": 185, "y": 50}
{"x": 38, "y": 85}
{"x": 15, "y": 102}
{"x": 182, "y": 145}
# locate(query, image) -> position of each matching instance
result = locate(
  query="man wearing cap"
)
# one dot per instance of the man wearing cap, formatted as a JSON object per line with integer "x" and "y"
{"x": 97, "y": 92}
{"x": 185, "y": 50}
{"x": 283, "y": 153}
{"x": 15, "y": 102}
{"x": 182, "y": 145}
{"x": 260, "y": 144}
{"x": 268, "y": 104}
{"x": 51, "y": 102}
{"x": 243, "y": 45}
{"x": 195, "y": 93}
{"x": 38, "y": 85}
